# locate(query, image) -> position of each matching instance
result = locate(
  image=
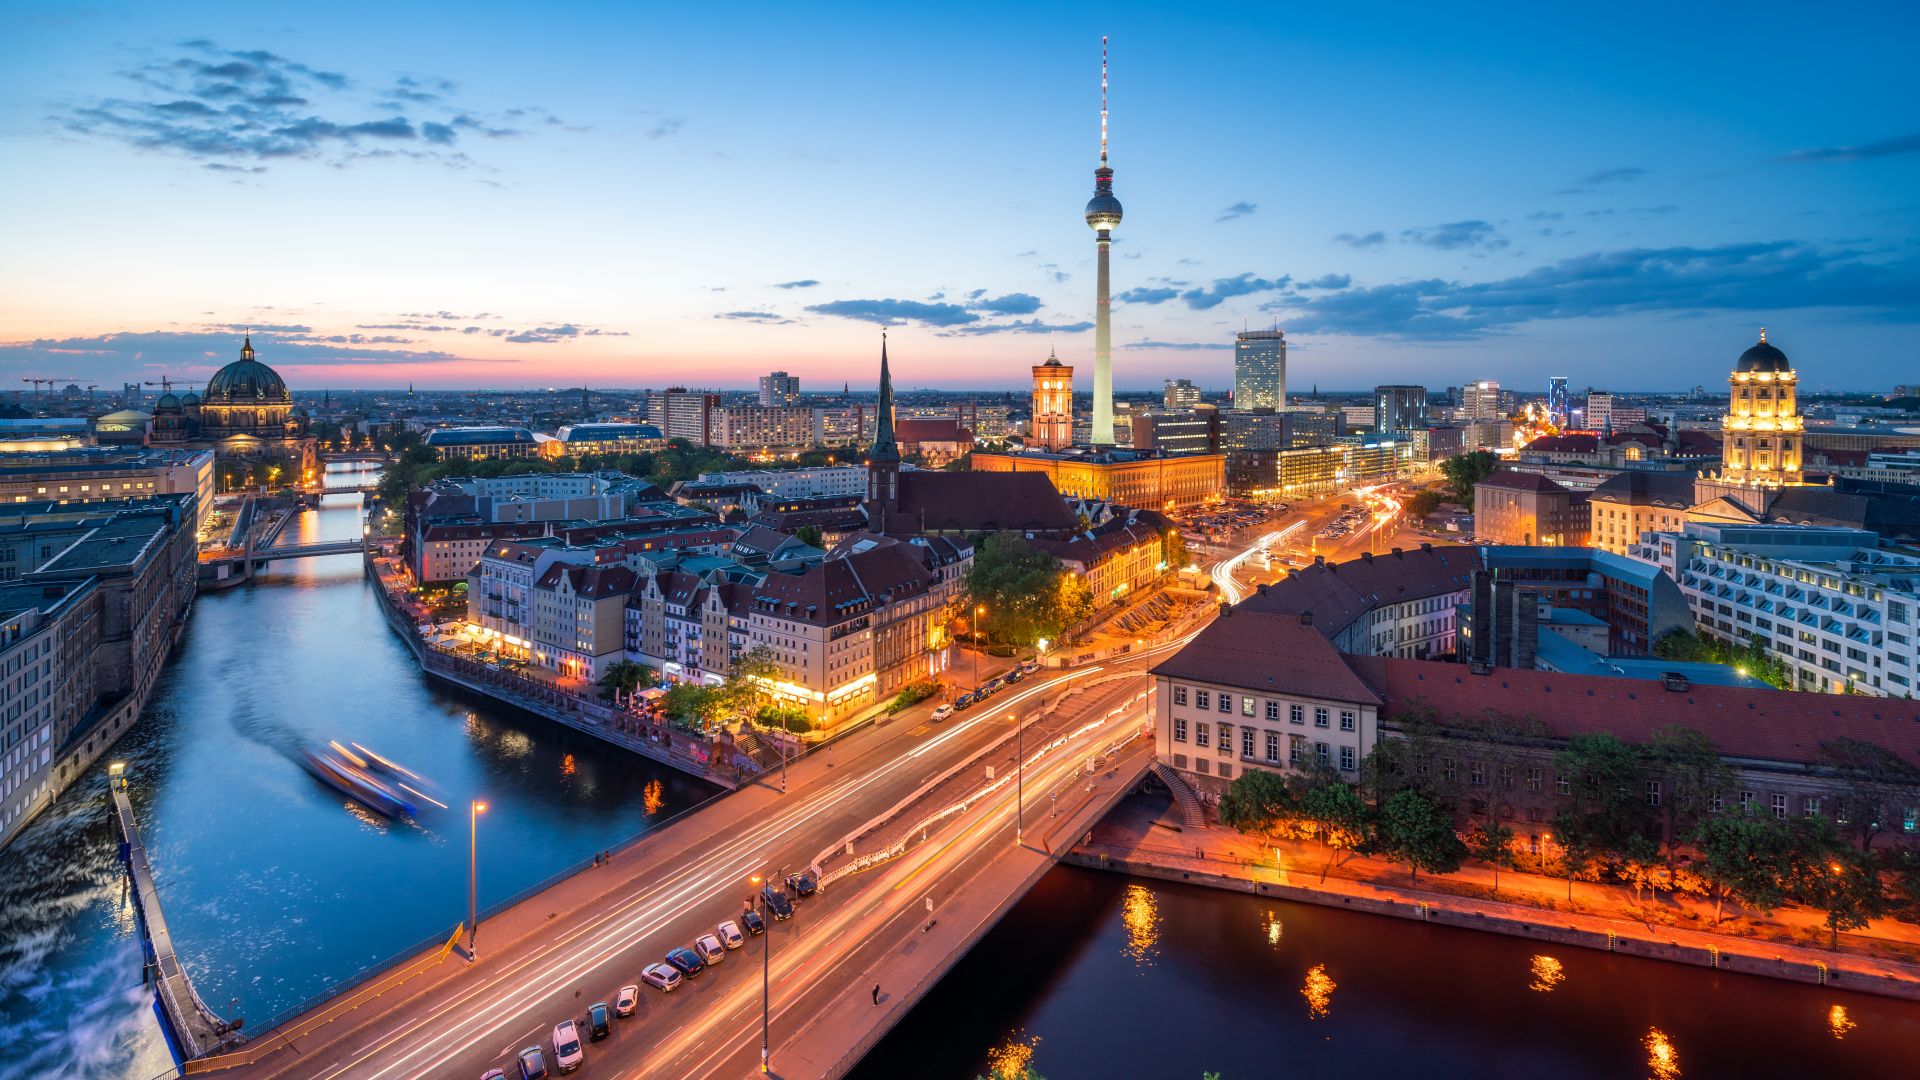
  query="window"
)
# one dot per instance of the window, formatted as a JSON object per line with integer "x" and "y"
{"x": 1534, "y": 813}
{"x": 1294, "y": 744}
{"x": 1746, "y": 802}
{"x": 1780, "y": 806}
{"x": 1320, "y": 750}
{"x": 1179, "y": 695}
{"x": 1346, "y": 720}
{"x": 1246, "y": 742}
{"x": 1319, "y": 718}
{"x": 1717, "y": 802}
{"x": 1810, "y": 807}
{"x": 1562, "y": 786}
{"x": 1179, "y": 729}
{"x": 1477, "y": 774}
{"x": 1653, "y": 793}
{"x": 1273, "y": 711}
{"x": 1273, "y": 748}
{"x": 1506, "y": 776}
{"x": 1346, "y": 758}
{"x": 1226, "y": 740}
{"x": 1201, "y": 732}
{"x": 1226, "y": 770}
{"x": 1246, "y": 706}
{"x": 1296, "y": 714}
{"x": 1226, "y": 702}
{"x": 1533, "y": 778}
{"x": 1202, "y": 699}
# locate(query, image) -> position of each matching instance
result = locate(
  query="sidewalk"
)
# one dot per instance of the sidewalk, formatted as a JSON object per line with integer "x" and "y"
{"x": 1144, "y": 836}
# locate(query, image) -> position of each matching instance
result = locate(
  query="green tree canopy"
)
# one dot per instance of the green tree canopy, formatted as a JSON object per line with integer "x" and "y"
{"x": 1414, "y": 829}
{"x": 1256, "y": 801}
{"x": 1747, "y": 858}
{"x": 626, "y": 676}
{"x": 1027, "y": 593}
{"x": 1687, "y": 766}
{"x": 1466, "y": 470}
{"x": 1873, "y": 787}
{"x": 1492, "y": 843}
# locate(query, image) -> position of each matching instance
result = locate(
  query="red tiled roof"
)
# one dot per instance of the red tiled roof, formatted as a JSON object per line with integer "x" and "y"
{"x": 1257, "y": 650}
{"x": 592, "y": 582}
{"x": 1772, "y": 725}
{"x": 1339, "y": 593}
{"x": 838, "y": 589}
{"x": 983, "y": 501}
{"x": 935, "y": 429}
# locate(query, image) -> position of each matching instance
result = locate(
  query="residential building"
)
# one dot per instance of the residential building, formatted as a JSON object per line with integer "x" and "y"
{"x": 747, "y": 428}
{"x": 1399, "y": 408}
{"x": 1482, "y": 402}
{"x": 1399, "y": 604}
{"x": 812, "y": 482}
{"x": 1259, "y": 369}
{"x": 579, "y": 618}
{"x": 1118, "y": 557}
{"x": 779, "y": 389}
{"x": 1599, "y": 411}
{"x": 1636, "y": 502}
{"x": 682, "y": 414}
{"x": 1180, "y": 394}
{"x": 481, "y": 443}
{"x": 1526, "y": 509}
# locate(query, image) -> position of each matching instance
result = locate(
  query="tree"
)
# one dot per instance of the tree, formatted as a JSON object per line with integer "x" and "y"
{"x": 1176, "y": 549}
{"x": 810, "y": 536}
{"x": 1609, "y": 814}
{"x": 1904, "y": 902}
{"x": 1492, "y": 843}
{"x": 1256, "y": 801}
{"x": 1873, "y": 786}
{"x": 1027, "y": 593}
{"x": 747, "y": 677}
{"x": 625, "y": 676}
{"x": 1338, "y": 816}
{"x": 690, "y": 701}
{"x": 1743, "y": 857}
{"x": 1845, "y": 885}
{"x": 1466, "y": 470}
{"x": 1424, "y": 502}
{"x": 1688, "y": 768}
{"x": 1413, "y": 829}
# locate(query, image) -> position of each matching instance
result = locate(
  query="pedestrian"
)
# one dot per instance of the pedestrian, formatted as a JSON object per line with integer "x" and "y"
{"x": 876, "y": 993}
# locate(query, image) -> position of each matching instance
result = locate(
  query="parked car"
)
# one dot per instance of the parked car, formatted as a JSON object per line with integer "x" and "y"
{"x": 533, "y": 1064}
{"x": 942, "y": 713}
{"x": 994, "y": 685}
{"x": 1028, "y": 667}
{"x": 663, "y": 977}
{"x": 802, "y": 885}
{"x": 963, "y": 702}
{"x": 627, "y": 1002}
{"x": 777, "y": 902}
{"x": 729, "y": 934}
{"x": 709, "y": 948}
{"x": 754, "y": 924}
{"x": 687, "y": 962}
{"x": 599, "y": 1021}
{"x": 568, "y": 1054}
{"x": 494, "y": 1074}
{"x": 1015, "y": 676}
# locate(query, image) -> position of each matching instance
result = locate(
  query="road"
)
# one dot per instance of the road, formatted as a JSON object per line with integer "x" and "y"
{"x": 547, "y": 959}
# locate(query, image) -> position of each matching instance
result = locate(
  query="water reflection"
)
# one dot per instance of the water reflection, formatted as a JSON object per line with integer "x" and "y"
{"x": 1270, "y": 919}
{"x": 1140, "y": 911}
{"x": 1547, "y": 974}
{"x": 1318, "y": 990}
{"x": 652, "y": 798}
{"x": 1662, "y": 1062}
{"x": 1011, "y": 1059}
{"x": 1838, "y": 1022}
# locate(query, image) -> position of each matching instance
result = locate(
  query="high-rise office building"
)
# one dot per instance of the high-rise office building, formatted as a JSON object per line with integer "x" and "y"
{"x": 1260, "y": 370}
{"x": 1180, "y": 394}
{"x": 779, "y": 388}
{"x": 1052, "y": 424}
{"x": 1103, "y": 216}
{"x": 1399, "y": 408}
{"x": 1480, "y": 400}
{"x": 1599, "y": 414}
{"x": 1557, "y": 403}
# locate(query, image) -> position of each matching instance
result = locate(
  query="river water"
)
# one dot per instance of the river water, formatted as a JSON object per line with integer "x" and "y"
{"x": 1101, "y": 976}
{"x": 274, "y": 886}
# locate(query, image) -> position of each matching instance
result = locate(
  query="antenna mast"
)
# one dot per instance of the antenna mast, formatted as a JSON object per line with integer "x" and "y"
{"x": 1103, "y": 99}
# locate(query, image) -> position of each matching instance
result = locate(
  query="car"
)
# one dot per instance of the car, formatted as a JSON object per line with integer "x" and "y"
{"x": 533, "y": 1064}
{"x": 994, "y": 685}
{"x": 568, "y": 1054}
{"x": 663, "y": 976}
{"x": 754, "y": 924}
{"x": 599, "y": 1021}
{"x": 942, "y": 713}
{"x": 729, "y": 934}
{"x": 1029, "y": 667}
{"x": 777, "y": 902}
{"x": 709, "y": 948}
{"x": 494, "y": 1074}
{"x": 963, "y": 702}
{"x": 802, "y": 885}
{"x": 686, "y": 962}
{"x": 627, "y": 1002}
{"x": 1015, "y": 676}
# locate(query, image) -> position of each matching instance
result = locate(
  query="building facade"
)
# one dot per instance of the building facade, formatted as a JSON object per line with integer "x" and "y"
{"x": 1527, "y": 509}
{"x": 748, "y": 428}
{"x": 1052, "y": 425}
{"x": 779, "y": 389}
{"x": 481, "y": 443}
{"x": 1399, "y": 408}
{"x": 1129, "y": 478}
{"x": 1180, "y": 394}
{"x": 1259, "y": 369}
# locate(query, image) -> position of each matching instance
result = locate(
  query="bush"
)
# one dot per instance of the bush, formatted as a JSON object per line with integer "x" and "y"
{"x": 775, "y": 716}
{"x": 912, "y": 694}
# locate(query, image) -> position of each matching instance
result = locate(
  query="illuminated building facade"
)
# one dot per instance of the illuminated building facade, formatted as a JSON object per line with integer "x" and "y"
{"x": 1761, "y": 431}
{"x": 1259, "y": 370}
{"x": 1052, "y": 424}
{"x": 1129, "y": 478}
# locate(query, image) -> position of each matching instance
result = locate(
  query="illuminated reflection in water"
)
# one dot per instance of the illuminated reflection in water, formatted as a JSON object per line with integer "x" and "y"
{"x": 1662, "y": 1062}
{"x": 651, "y": 798}
{"x": 1839, "y": 1022}
{"x": 1140, "y": 912}
{"x": 1010, "y": 1060}
{"x": 1318, "y": 990}
{"x": 1547, "y": 974}
{"x": 1270, "y": 919}
{"x": 566, "y": 765}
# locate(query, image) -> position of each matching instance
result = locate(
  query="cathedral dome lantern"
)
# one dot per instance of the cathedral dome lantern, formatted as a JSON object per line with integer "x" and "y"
{"x": 247, "y": 380}
{"x": 1763, "y": 357}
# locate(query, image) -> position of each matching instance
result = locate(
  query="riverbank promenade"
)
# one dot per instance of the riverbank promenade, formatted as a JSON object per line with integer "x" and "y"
{"x": 1146, "y": 837}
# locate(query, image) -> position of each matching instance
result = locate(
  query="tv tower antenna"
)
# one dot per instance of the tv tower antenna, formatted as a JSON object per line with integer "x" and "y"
{"x": 1103, "y": 99}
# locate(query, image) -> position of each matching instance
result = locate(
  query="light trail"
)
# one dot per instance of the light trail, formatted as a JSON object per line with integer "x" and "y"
{"x": 1224, "y": 571}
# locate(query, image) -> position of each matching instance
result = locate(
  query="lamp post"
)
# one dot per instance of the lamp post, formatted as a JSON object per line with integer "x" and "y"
{"x": 474, "y": 810}
{"x": 766, "y": 967}
{"x": 1019, "y": 777}
{"x": 979, "y": 613}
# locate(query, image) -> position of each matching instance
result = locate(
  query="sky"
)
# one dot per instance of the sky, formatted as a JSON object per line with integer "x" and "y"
{"x": 635, "y": 195}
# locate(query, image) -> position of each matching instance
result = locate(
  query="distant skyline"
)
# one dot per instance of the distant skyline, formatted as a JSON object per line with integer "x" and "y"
{"x": 462, "y": 196}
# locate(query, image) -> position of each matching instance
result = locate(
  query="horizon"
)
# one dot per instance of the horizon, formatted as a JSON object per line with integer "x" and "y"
{"x": 450, "y": 205}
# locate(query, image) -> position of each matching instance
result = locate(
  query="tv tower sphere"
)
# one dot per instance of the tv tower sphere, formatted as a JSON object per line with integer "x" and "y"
{"x": 1103, "y": 210}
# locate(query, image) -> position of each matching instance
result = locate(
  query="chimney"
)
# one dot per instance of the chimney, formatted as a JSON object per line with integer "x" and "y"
{"x": 1319, "y": 560}
{"x": 1306, "y": 618}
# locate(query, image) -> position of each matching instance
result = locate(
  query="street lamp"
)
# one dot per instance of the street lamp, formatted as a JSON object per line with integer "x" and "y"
{"x": 979, "y": 613}
{"x": 474, "y": 810}
{"x": 1019, "y": 777}
{"x": 766, "y": 966}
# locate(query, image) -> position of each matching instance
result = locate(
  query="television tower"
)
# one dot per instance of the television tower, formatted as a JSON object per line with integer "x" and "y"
{"x": 1103, "y": 216}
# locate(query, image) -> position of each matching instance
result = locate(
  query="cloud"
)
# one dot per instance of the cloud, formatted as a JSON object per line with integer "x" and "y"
{"x": 665, "y": 126}
{"x": 1010, "y": 304}
{"x": 1457, "y": 235}
{"x": 1145, "y": 295}
{"x": 1181, "y": 345}
{"x": 1617, "y": 175}
{"x": 1362, "y": 242}
{"x": 1020, "y": 326}
{"x": 1237, "y": 210}
{"x": 132, "y": 354}
{"x": 1327, "y": 281}
{"x": 1904, "y": 144}
{"x": 766, "y": 317}
{"x": 1756, "y": 277}
{"x": 890, "y": 312}
{"x": 1223, "y": 289}
{"x": 235, "y": 109}
{"x": 803, "y": 283}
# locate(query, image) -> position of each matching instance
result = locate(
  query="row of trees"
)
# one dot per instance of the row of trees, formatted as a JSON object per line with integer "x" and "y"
{"x": 1661, "y": 816}
{"x": 1753, "y": 658}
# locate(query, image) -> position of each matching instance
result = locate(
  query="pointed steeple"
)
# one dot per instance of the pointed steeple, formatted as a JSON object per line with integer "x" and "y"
{"x": 884, "y": 447}
{"x": 883, "y": 460}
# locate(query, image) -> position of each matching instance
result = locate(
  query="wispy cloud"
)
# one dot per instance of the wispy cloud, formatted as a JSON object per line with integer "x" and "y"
{"x": 1361, "y": 241}
{"x": 1145, "y": 295}
{"x": 1237, "y": 210}
{"x": 1184, "y": 346}
{"x": 1617, "y": 175}
{"x": 1223, "y": 289}
{"x": 891, "y": 312}
{"x": 1010, "y": 304}
{"x": 1020, "y": 326}
{"x": 803, "y": 283}
{"x": 765, "y": 317}
{"x": 1904, "y": 144}
{"x": 124, "y": 355}
{"x": 1456, "y": 236}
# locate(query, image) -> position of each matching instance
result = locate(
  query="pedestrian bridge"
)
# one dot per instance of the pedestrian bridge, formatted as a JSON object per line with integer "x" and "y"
{"x": 306, "y": 551}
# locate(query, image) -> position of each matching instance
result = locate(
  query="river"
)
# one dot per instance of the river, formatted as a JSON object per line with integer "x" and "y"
{"x": 274, "y": 886}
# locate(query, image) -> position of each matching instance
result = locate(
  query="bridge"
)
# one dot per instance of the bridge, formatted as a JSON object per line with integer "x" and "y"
{"x": 308, "y": 551}
{"x": 356, "y": 457}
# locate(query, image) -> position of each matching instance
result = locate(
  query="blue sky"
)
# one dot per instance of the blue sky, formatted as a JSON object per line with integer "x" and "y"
{"x": 490, "y": 195}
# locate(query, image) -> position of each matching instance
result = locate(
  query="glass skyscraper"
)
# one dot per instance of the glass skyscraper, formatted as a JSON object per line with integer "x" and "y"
{"x": 1260, "y": 370}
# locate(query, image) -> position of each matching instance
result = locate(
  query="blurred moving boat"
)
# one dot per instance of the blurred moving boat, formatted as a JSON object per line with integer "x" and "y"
{"x": 347, "y": 774}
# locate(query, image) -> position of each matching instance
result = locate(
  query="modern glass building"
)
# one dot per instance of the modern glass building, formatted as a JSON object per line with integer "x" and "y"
{"x": 1260, "y": 370}
{"x": 1399, "y": 408}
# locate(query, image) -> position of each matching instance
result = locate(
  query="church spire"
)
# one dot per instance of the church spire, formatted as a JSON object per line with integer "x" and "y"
{"x": 883, "y": 461}
{"x": 884, "y": 447}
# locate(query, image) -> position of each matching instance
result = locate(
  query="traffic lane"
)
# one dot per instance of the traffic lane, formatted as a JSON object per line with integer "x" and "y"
{"x": 501, "y": 1003}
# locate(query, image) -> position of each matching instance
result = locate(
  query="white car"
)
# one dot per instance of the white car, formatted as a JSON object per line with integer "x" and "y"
{"x": 628, "y": 1002}
{"x": 942, "y": 712}
{"x": 730, "y": 936}
{"x": 709, "y": 948}
{"x": 663, "y": 976}
{"x": 568, "y": 1053}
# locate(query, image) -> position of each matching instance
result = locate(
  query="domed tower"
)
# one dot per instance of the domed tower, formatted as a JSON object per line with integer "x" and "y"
{"x": 1761, "y": 432}
{"x": 1052, "y": 424}
{"x": 1103, "y": 216}
{"x": 245, "y": 398}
